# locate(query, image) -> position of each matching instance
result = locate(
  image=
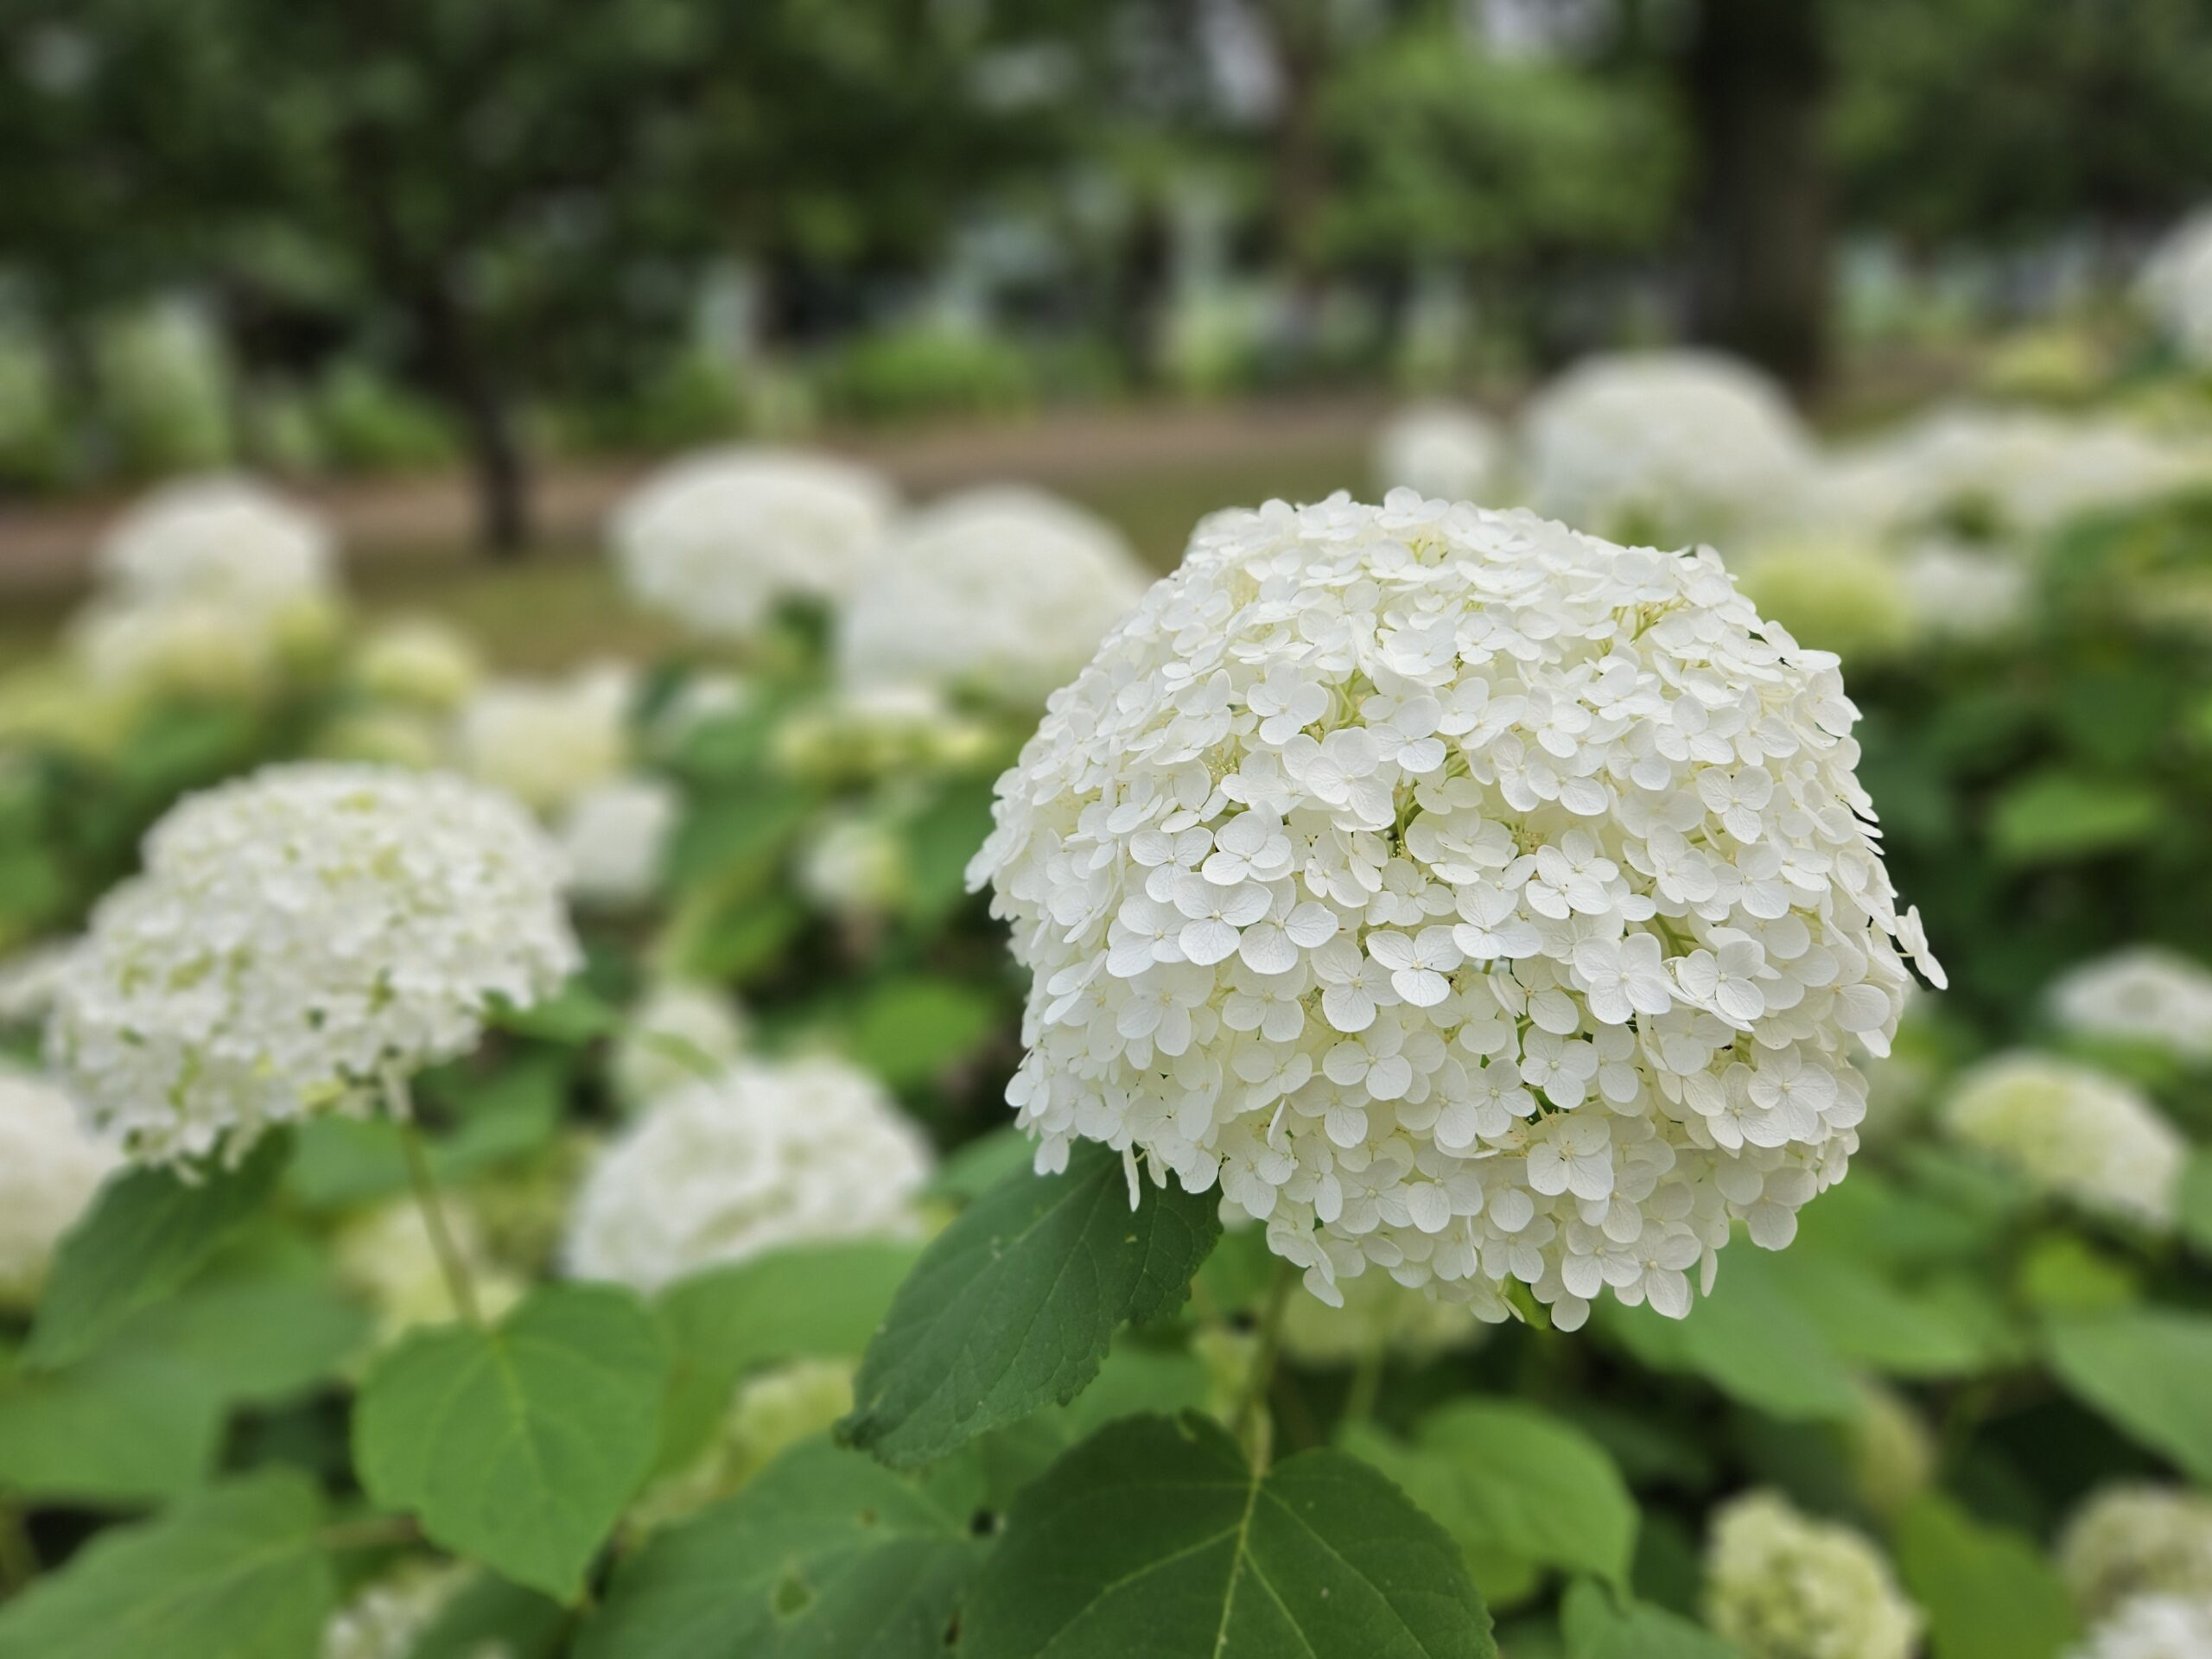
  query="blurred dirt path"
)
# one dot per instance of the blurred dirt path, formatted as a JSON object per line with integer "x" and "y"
{"x": 44, "y": 548}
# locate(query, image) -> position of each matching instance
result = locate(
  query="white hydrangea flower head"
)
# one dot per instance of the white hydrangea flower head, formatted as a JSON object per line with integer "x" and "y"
{"x": 856, "y": 866}
{"x": 385, "y": 736}
{"x": 613, "y": 837}
{"x": 548, "y": 741}
{"x": 419, "y": 661}
{"x": 1003, "y": 592}
{"x": 1445, "y": 451}
{"x": 197, "y": 645}
{"x": 1955, "y": 591}
{"x": 769, "y": 1413}
{"x": 2145, "y": 995}
{"x": 1473, "y": 899}
{"x": 1671, "y": 446}
{"x": 2024, "y": 471}
{"x": 2153, "y": 1627}
{"x": 1780, "y": 1585}
{"x": 2175, "y": 286}
{"x": 2073, "y": 1131}
{"x": 881, "y": 730}
{"x": 221, "y": 539}
{"x": 299, "y": 941}
{"x": 28, "y": 980}
{"x": 2137, "y": 1540}
{"x": 766, "y": 1155}
{"x": 1841, "y": 594}
{"x": 49, "y": 1169}
{"x": 680, "y": 1033}
{"x": 719, "y": 540}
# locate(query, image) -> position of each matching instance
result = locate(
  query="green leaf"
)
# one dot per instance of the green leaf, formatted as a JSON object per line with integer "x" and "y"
{"x": 1596, "y": 1625}
{"x": 969, "y": 1172}
{"x": 235, "y": 1573}
{"x": 254, "y": 1339}
{"x": 1748, "y": 1338}
{"x": 116, "y": 1429}
{"x": 574, "y": 1015}
{"x": 148, "y": 1230}
{"x": 1014, "y": 1304}
{"x": 816, "y": 1302}
{"x": 2053, "y": 815}
{"x": 2147, "y": 1369}
{"x": 1866, "y": 1319}
{"x": 825, "y": 1554}
{"x": 2194, "y": 1200}
{"x": 907, "y": 1030}
{"x": 1155, "y": 1537}
{"x": 518, "y": 1445}
{"x": 489, "y": 1617}
{"x": 1509, "y": 1480}
{"x": 349, "y": 1160}
{"x": 1988, "y": 1593}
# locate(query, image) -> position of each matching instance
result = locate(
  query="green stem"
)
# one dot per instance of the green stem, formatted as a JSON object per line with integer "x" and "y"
{"x": 451, "y": 1263}
{"x": 1366, "y": 1384}
{"x": 1251, "y": 1425}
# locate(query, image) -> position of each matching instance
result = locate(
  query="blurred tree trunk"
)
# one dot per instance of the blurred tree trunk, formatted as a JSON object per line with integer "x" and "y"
{"x": 499, "y": 471}
{"x": 1757, "y": 76}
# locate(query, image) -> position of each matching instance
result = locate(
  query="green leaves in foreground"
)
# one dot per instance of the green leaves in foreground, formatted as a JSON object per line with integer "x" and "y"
{"x": 1988, "y": 1593}
{"x": 1013, "y": 1307}
{"x": 149, "y": 1232}
{"x": 2147, "y": 1369}
{"x": 1593, "y": 1626}
{"x": 518, "y": 1445}
{"x": 234, "y": 1573}
{"x": 1516, "y": 1488}
{"x": 826, "y": 1554}
{"x": 1155, "y": 1537}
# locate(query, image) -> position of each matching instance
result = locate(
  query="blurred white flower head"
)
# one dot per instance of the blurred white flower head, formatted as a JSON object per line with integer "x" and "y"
{"x": 50, "y": 1167}
{"x": 28, "y": 980}
{"x": 299, "y": 940}
{"x": 1961, "y": 592}
{"x": 1844, "y": 595}
{"x": 1474, "y": 900}
{"x": 548, "y": 741}
{"x": 613, "y": 836}
{"x": 2073, "y": 1131}
{"x": 1444, "y": 450}
{"x": 2175, "y": 286}
{"x": 2153, "y": 1627}
{"x": 856, "y": 866}
{"x": 1780, "y": 1585}
{"x": 764, "y": 1155}
{"x": 2017, "y": 471}
{"x": 679, "y": 1034}
{"x": 387, "y": 1257}
{"x": 2137, "y": 1540}
{"x": 1669, "y": 446}
{"x": 419, "y": 661}
{"x": 720, "y": 539}
{"x": 2145, "y": 995}
{"x": 1003, "y": 593}
{"x": 768, "y": 1415}
{"x": 386, "y": 1617}
{"x": 223, "y": 540}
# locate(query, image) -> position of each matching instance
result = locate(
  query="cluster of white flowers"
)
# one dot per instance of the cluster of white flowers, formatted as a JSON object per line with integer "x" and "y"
{"x": 1442, "y": 450}
{"x": 1961, "y": 592}
{"x": 1471, "y": 899}
{"x": 1664, "y": 446}
{"x": 418, "y": 662}
{"x": 28, "y": 981}
{"x": 49, "y": 1169}
{"x": 679, "y": 1032}
{"x": 766, "y": 1155}
{"x": 387, "y": 1257}
{"x": 1847, "y": 596}
{"x": 1781, "y": 1585}
{"x": 225, "y": 539}
{"x": 2022, "y": 470}
{"x": 386, "y": 1617}
{"x": 2154, "y": 1627}
{"x": 720, "y": 539}
{"x": 2137, "y": 1540}
{"x": 298, "y": 941}
{"x": 881, "y": 730}
{"x": 613, "y": 836}
{"x": 2073, "y": 1131}
{"x": 547, "y": 743}
{"x": 856, "y": 866}
{"x": 768, "y": 1415}
{"x": 208, "y": 588}
{"x": 2176, "y": 286}
{"x": 1003, "y": 593}
{"x": 2145, "y": 995}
